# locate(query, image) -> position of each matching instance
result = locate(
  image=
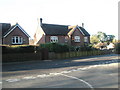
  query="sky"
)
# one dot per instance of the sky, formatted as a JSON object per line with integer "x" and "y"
{"x": 97, "y": 15}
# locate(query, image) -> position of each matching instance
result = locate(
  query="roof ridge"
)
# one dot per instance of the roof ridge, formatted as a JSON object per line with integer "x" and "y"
{"x": 56, "y": 24}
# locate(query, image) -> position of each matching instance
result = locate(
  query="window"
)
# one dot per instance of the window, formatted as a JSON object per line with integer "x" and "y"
{"x": 53, "y": 39}
{"x": 85, "y": 39}
{"x": 66, "y": 38}
{"x": 77, "y": 38}
{"x": 17, "y": 40}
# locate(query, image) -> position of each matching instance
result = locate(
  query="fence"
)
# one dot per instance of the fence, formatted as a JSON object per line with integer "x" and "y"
{"x": 66, "y": 55}
{"x": 19, "y": 57}
{"x": 44, "y": 55}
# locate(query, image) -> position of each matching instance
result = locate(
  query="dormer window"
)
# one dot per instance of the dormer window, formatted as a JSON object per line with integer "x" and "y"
{"x": 53, "y": 39}
{"x": 17, "y": 40}
{"x": 76, "y": 38}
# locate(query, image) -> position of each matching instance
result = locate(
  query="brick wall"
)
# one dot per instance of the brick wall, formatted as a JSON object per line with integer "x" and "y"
{"x": 15, "y": 32}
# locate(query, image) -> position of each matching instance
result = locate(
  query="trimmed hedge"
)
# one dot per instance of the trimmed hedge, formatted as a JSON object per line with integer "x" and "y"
{"x": 117, "y": 48}
{"x": 55, "y": 47}
{"x": 18, "y": 49}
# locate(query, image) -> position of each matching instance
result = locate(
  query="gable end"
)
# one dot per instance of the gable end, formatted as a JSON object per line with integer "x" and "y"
{"x": 14, "y": 28}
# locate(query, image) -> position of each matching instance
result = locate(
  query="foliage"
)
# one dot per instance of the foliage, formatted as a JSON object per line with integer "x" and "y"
{"x": 55, "y": 47}
{"x": 18, "y": 49}
{"x": 110, "y": 38}
{"x": 117, "y": 48}
{"x": 101, "y": 37}
{"x": 86, "y": 48}
{"x": 94, "y": 39}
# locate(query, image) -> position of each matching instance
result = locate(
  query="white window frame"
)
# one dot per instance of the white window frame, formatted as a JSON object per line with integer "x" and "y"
{"x": 85, "y": 39}
{"x": 66, "y": 38}
{"x": 53, "y": 39}
{"x": 17, "y": 40}
{"x": 76, "y": 38}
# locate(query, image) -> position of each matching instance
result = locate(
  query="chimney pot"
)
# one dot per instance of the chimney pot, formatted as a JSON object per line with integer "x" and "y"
{"x": 83, "y": 25}
{"x": 41, "y": 21}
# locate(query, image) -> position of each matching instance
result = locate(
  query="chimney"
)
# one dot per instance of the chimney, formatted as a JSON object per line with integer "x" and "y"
{"x": 82, "y": 25}
{"x": 40, "y": 21}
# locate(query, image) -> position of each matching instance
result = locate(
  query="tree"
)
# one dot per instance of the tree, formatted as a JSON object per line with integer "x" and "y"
{"x": 102, "y": 36}
{"x": 110, "y": 38}
{"x": 94, "y": 39}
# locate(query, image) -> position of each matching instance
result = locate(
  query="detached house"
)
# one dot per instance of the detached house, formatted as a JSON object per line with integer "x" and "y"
{"x": 13, "y": 35}
{"x": 52, "y": 33}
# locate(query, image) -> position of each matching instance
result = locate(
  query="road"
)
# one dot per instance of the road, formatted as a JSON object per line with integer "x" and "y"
{"x": 85, "y": 72}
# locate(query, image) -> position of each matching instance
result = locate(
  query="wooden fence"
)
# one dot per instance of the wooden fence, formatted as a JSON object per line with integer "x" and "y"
{"x": 66, "y": 55}
{"x": 44, "y": 55}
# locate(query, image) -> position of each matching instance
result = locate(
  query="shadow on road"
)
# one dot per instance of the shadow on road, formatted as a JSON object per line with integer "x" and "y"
{"x": 57, "y": 63}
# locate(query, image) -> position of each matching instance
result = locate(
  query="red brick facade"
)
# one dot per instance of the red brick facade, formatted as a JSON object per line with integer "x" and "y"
{"x": 69, "y": 40}
{"x": 16, "y": 32}
{"x": 64, "y": 34}
{"x": 78, "y": 33}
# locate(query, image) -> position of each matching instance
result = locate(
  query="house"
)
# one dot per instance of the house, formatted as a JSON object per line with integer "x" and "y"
{"x": 111, "y": 46}
{"x": 13, "y": 35}
{"x": 66, "y": 34}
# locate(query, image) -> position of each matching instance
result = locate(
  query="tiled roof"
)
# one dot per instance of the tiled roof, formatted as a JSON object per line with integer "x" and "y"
{"x": 8, "y": 30}
{"x": 5, "y": 28}
{"x": 84, "y": 31}
{"x": 53, "y": 29}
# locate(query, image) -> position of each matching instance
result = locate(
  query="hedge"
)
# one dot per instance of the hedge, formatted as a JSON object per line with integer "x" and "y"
{"x": 117, "y": 48}
{"x": 55, "y": 47}
{"x": 18, "y": 49}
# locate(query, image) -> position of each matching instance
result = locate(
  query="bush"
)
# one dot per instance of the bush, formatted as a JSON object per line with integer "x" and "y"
{"x": 55, "y": 47}
{"x": 87, "y": 48}
{"x": 117, "y": 48}
{"x": 17, "y": 49}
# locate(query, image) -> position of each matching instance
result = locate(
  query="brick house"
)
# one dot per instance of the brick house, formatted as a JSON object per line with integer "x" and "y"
{"x": 71, "y": 35}
{"x": 14, "y": 35}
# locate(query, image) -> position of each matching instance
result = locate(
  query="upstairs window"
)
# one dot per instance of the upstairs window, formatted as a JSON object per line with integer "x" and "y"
{"x": 66, "y": 38}
{"x": 17, "y": 40}
{"x": 85, "y": 39}
{"x": 76, "y": 38}
{"x": 53, "y": 39}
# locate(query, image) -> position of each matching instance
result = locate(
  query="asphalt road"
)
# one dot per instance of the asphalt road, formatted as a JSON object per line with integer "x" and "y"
{"x": 86, "y": 72}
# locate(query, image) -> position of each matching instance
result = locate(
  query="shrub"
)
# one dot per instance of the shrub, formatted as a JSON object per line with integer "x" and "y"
{"x": 55, "y": 47}
{"x": 87, "y": 48}
{"x": 117, "y": 48}
{"x": 18, "y": 49}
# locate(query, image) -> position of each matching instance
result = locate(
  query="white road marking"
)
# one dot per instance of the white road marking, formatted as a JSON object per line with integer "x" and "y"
{"x": 29, "y": 77}
{"x": 56, "y": 73}
{"x": 53, "y": 74}
{"x": 12, "y": 80}
{"x": 66, "y": 71}
{"x": 0, "y": 82}
{"x": 79, "y": 80}
{"x": 43, "y": 76}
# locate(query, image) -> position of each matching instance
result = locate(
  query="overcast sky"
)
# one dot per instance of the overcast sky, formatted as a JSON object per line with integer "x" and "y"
{"x": 97, "y": 15}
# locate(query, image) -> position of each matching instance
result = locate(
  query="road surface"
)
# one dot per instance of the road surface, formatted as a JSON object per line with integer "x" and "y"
{"x": 86, "y": 72}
